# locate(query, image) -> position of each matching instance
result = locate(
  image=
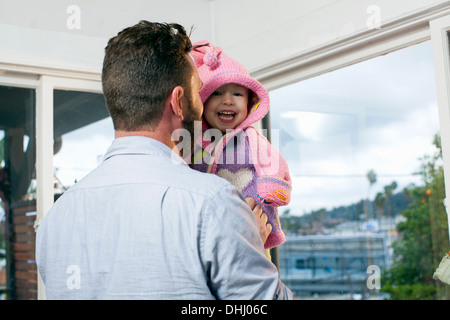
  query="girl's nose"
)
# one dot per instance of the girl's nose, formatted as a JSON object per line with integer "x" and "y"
{"x": 227, "y": 99}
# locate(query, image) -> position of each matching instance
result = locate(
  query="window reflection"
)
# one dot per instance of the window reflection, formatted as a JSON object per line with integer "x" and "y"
{"x": 448, "y": 37}
{"x": 83, "y": 131}
{"x": 354, "y": 139}
{"x": 17, "y": 193}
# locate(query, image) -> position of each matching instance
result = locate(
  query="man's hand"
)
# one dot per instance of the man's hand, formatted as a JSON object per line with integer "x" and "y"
{"x": 261, "y": 219}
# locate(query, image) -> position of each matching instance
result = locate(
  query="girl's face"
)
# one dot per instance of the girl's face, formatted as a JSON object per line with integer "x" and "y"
{"x": 227, "y": 107}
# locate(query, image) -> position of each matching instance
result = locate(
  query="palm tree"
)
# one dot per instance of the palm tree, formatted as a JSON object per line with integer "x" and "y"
{"x": 380, "y": 200}
{"x": 389, "y": 190}
{"x": 372, "y": 177}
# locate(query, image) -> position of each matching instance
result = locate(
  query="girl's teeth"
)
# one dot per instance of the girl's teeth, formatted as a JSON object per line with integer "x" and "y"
{"x": 226, "y": 115}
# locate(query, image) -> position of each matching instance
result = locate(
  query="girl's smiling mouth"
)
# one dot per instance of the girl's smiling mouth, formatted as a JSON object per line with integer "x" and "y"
{"x": 226, "y": 116}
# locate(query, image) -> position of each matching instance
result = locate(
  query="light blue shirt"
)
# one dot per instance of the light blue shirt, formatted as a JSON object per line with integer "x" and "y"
{"x": 143, "y": 225}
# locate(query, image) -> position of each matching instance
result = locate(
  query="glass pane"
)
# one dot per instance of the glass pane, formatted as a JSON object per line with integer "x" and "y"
{"x": 448, "y": 37}
{"x": 358, "y": 142}
{"x": 17, "y": 193}
{"x": 83, "y": 132}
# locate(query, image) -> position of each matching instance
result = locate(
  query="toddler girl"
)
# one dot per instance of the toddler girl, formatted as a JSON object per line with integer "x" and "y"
{"x": 230, "y": 146}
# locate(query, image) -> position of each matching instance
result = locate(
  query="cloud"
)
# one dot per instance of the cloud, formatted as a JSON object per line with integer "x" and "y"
{"x": 82, "y": 150}
{"x": 378, "y": 115}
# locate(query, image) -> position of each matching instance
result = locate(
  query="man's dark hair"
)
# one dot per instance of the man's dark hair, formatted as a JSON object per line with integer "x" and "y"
{"x": 142, "y": 65}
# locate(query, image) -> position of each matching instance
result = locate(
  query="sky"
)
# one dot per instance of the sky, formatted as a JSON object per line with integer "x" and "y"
{"x": 380, "y": 114}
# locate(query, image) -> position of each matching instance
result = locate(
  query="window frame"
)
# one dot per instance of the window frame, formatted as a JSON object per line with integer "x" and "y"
{"x": 44, "y": 134}
{"x": 44, "y": 141}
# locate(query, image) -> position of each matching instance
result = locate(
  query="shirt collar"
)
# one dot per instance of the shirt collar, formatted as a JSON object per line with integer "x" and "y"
{"x": 141, "y": 145}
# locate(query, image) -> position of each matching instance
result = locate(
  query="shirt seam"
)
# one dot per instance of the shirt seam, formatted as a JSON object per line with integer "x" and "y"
{"x": 207, "y": 193}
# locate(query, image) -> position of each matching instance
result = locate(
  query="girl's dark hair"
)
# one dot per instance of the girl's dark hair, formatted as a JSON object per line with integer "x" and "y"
{"x": 142, "y": 65}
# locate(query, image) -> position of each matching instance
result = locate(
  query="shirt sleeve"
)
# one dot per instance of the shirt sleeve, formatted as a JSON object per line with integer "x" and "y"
{"x": 233, "y": 253}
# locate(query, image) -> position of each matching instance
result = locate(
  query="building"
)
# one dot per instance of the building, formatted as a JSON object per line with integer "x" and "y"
{"x": 332, "y": 264}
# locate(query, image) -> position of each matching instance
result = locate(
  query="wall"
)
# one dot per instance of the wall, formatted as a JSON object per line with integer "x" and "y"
{"x": 258, "y": 33}
{"x": 44, "y": 33}
{"x": 262, "y": 33}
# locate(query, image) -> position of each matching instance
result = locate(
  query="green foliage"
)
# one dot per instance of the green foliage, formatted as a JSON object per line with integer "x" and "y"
{"x": 414, "y": 258}
{"x": 416, "y": 291}
{"x": 424, "y": 238}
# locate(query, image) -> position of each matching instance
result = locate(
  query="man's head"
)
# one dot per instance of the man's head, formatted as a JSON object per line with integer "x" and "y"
{"x": 142, "y": 66}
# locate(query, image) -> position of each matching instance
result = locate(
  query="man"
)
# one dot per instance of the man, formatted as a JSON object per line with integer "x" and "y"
{"x": 143, "y": 225}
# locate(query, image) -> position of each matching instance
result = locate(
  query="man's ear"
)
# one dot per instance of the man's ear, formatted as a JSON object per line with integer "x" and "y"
{"x": 176, "y": 101}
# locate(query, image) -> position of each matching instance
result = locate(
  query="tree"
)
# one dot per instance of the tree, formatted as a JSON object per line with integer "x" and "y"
{"x": 380, "y": 200}
{"x": 388, "y": 191}
{"x": 424, "y": 238}
{"x": 372, "y": 177}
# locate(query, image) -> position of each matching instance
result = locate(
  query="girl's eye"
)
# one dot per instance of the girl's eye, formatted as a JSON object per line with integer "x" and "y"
{"x": 238, "y": 94}
{"x": 216, "y": 93}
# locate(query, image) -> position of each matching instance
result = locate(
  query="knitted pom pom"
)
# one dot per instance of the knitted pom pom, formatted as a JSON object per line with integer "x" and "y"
{"x": 210, "y": 59}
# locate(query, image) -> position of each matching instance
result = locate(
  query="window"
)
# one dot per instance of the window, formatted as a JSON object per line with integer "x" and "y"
{"x": 17, "y": 192}
{"x": 83, "y": 132}
{"x": 357, "y": 141}
{"x": 448, "y": 37}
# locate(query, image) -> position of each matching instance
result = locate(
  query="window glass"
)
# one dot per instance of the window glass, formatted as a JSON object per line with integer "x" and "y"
{"x": 83, "y": 132}
{"x": 359, "y": 142}
{"x": 3, "y": 208}
{"x": 448, "y": 37}
{"x": 17, "y": 193}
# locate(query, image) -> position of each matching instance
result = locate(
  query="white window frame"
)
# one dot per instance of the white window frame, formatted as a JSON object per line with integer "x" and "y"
{"x": 44, "y": 143}
{"x": 45, "y": 84}
{"x": 440, "y": 43}
{"x": 44, "y": 134}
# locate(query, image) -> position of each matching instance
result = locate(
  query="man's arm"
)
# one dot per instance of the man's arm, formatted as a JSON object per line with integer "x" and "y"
{"x": 233, "y": 252}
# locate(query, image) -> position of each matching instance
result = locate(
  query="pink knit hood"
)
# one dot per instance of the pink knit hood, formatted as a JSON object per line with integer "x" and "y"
{"x": 217, "y": 69}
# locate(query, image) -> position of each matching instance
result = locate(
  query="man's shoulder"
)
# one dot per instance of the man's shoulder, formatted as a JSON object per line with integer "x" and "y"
{"x": 158, "y": 172}
{"x": 202, "y": 182}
